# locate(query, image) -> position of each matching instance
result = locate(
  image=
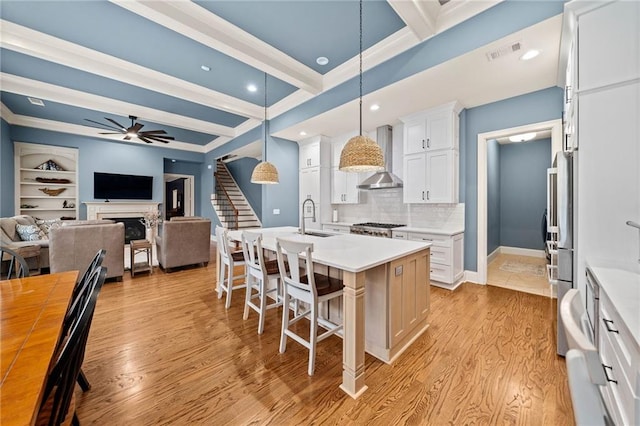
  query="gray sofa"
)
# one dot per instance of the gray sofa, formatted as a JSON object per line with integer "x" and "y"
{"x": 73, "y": 245}
{"x": 9, "y": 237}
{"x": 184, "y": 241}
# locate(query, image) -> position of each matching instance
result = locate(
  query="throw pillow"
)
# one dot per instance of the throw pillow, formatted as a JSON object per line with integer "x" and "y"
{"x": 47, "y": 224}
{"x": 30, "y": 232}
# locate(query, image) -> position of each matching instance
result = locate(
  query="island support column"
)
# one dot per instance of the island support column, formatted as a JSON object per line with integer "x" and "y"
{"x": 353, "y": 341}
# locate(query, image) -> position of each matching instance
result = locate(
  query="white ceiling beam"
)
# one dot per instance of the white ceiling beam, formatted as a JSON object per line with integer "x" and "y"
{"x": 27, "y": 87}
{"x": 421, "y": 16}
{"x": 44, "y": 46}
{"x": 456, "y": 11}
{"x": 193, "y": 21}
{"x": 6, "y": 113}
{"x": 76, "y": 129}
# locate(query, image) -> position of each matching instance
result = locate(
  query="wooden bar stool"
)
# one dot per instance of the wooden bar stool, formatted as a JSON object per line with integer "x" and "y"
{"x": 229, "y": 260}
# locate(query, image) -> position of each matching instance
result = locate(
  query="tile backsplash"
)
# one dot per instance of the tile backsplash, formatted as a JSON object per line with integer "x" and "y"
{"x": 385, "y": 205}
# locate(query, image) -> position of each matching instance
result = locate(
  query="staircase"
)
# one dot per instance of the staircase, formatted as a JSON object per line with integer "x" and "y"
{"x": 229, "y": 203}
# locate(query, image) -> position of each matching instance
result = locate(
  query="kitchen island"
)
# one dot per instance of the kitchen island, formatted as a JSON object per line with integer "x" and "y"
{"x": 386, "y": 294}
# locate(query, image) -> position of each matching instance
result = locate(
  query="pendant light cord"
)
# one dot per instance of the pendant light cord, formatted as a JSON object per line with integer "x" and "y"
{"x": 360, "y": 67}
{"x": 265, "y": 117}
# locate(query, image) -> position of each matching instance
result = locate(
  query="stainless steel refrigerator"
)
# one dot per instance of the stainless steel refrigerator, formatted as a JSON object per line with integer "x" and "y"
{"x": 561, "y": 225}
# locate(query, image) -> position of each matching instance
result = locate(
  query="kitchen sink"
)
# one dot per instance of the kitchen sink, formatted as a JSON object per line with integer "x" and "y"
{"x": 318, "y": 234}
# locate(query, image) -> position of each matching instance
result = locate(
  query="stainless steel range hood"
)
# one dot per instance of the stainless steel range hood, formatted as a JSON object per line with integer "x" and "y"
{"x": 385, "y": 179}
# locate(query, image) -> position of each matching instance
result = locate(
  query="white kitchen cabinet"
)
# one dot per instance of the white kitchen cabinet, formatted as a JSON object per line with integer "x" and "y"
{"x": 334, "y": 227}
{"x": 58, "y": 177}
{"x": 315, "y": 152}
{"x": 433, "y": 129}
{"x": 447, "y": 256}
{"x": 315, "y": 179}
{"x": 344, "y": 187}
{"x": 431, "y": 177}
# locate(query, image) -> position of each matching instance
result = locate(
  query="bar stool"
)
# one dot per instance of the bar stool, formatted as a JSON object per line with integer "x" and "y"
{"x": 312, "y": 289}
{"x": 228, "y": 260}
{"x": 259, "y": 273}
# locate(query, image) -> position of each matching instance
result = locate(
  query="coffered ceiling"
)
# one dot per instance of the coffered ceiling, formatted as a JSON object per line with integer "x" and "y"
{"x": 185, "y": 66}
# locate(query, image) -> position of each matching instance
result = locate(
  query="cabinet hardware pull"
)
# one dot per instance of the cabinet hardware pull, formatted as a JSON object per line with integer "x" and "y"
{"x": 609, "y": 329}
{"x": 422, "y": 143}
{"x": 427, "y": 195}
{"x": 605, "y": 368}
{"x": 428, "y": 143}
{"x": 422, "y": 195}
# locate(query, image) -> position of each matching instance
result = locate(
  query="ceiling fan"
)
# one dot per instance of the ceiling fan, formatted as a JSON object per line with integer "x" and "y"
{"x": 149, "y": 136}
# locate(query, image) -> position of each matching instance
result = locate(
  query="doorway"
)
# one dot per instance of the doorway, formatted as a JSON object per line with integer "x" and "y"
{"x": 178, "y": 195}
{"x": 555, "y": 127}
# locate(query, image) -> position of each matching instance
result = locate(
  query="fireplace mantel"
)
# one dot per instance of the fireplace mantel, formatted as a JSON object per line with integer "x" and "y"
{"x": 105, "y": 210}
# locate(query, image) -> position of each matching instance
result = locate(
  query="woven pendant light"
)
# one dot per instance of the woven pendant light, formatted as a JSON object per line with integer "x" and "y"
{"x": 265, "y": 172}
{"x": 361, "y": 153}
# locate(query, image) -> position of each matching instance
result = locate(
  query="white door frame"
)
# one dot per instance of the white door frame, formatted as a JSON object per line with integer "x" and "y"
{"x": 189, "y": 191}
{"x": 556, "y": 145}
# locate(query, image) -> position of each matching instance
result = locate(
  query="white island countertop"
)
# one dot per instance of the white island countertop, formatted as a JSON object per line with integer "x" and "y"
{"x": 349, "y": 252}
{"x": 623, "y": 289}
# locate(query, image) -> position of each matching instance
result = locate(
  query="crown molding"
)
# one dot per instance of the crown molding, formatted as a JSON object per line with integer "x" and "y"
{"x": 7, "y": 114}
{"x": 420, "y": 17}
{"x": 193, "y": 21}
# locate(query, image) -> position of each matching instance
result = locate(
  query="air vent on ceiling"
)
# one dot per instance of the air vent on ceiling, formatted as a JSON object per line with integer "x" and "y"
{"x": 504, "y": 51}
{"x": 36, "y": 101}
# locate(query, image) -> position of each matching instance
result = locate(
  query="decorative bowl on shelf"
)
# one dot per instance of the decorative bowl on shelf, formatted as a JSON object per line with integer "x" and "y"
{"x": 52, "y": 192}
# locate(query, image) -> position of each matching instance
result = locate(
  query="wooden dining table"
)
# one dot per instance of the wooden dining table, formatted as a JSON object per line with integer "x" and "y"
{"x": 32, "y": 312}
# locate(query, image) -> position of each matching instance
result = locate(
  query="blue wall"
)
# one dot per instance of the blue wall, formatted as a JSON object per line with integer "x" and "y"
{"x": 493, "y": 195}
{"x": 241, "y": 170}
{"x": 523, "y": 192}
{"x": 7, "y": 175}
{"x": 534, "y": 107}
{"x": 96, "y": 155}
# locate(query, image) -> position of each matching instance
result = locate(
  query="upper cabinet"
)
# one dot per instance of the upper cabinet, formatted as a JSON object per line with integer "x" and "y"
{"x": 344, "y": 185}
{"x": 46, "y": 179}
{"x": 431, "y": 130}
{"x": 430, "y": 163}
{"x": 314, "y": 152}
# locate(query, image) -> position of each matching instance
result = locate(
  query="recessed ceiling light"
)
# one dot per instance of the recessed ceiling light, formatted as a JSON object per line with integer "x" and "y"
{"x": 522, "y": 137}
{"x": 205, "y": 68}
{"x": 374, "y": 107}
{"x": 252, "y": 87}
{"x": 303, "y": 133}
{"x": 36, "y": 101}
{"x": 173, "y": 160}
{"x": 530, "y": 54}
{"x": 322, "y": 60}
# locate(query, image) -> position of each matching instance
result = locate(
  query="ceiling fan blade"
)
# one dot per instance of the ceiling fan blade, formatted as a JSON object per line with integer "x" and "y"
{"x": 126, "y": 137}
{"x": 135, "y": 128}
{"x": 157, "y": 136}
{"x": 102, "y": 124}
{"x": 142, "y": 138}
{"x": 110, "y": 133}
{"x": 116, "y": 123}
{"x": 157, "y": 132}
{"x": 157, "y": 139}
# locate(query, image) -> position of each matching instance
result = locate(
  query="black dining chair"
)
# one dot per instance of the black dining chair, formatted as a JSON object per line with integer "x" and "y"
{"x": 59, "y": 389}
{"x": 11, "y": 263}
{"x": 81, "y": 293}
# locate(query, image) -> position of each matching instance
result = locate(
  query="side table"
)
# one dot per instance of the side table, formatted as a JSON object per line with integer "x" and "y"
{"x": 137, "y": 247}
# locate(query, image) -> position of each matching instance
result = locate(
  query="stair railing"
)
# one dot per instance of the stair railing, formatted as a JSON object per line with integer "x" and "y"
{"x": 226, "y": 205}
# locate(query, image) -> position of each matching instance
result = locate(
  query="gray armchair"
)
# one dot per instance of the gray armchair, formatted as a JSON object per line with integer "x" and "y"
{"x": 184, "y": 242}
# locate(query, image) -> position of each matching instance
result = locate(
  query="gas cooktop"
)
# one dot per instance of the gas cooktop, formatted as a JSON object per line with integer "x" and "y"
{"x": 379, "y": 225}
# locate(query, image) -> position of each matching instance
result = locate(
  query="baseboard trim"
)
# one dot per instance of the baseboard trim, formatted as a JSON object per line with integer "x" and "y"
{"x": 472, "y": 277}
{"x": 521, "y": 251}
{"x": 493, "y": 255}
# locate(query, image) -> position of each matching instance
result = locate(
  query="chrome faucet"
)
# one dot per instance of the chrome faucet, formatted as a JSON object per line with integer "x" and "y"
{"x": 303, "y": 217}
{"x": 635, "y": 225}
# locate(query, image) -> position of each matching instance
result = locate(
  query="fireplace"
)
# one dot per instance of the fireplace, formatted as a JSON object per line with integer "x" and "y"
{"x": 133, "y": 228}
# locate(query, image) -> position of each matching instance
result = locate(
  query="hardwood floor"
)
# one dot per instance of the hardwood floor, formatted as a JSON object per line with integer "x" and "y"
{"x": 163, "y": 350}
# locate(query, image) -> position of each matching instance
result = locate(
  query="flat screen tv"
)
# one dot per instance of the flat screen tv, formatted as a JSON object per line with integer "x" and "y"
{"x": 111, "y": 186}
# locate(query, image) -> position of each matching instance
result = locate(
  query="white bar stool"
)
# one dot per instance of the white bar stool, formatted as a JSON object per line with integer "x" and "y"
{"x": 228, "y": 261}
{"x": 259, "y": 273}
{"x": 312, "y": 289}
